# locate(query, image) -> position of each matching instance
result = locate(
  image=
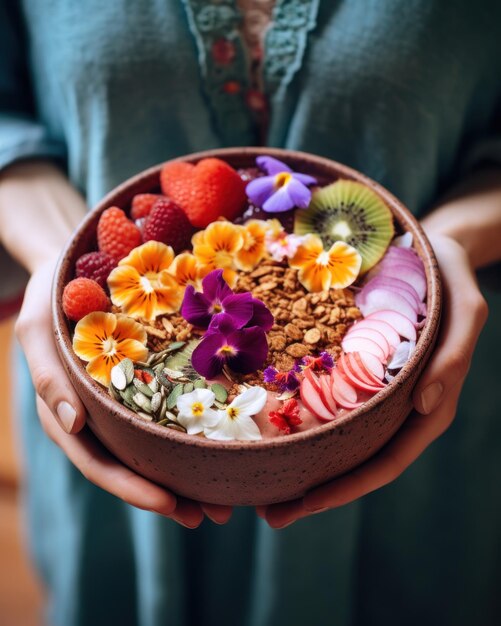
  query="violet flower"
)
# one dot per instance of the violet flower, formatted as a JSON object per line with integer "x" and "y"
{"x": 243, "y": 350}
{"x": 216, "y": 298}
{"x": 285, "y": 381}
{"x": 323, "y": 361}
{"x": 282, "y": 189}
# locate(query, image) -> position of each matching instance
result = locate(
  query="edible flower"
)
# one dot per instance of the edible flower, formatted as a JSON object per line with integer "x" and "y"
{"x": 105, "y": 339}
{"x": 279, "y": 243}
{"x": 253, "y": 249}
{"x": 322, "y": 362}
{"x": 282, "y": 189}
{"x": 142, "y": 285}
{"x": 185, "y": 270}
{"x": 216, "y": 298}
{"x": 321, "y": 269}
{"x": 243, "y": 350}
{"x": 287, "y": 416}
{"x": 285, "y": 381}
{"x": 235, "y": 421}
{"x": 195, "y": 412}
{"x": 216, "y": 248}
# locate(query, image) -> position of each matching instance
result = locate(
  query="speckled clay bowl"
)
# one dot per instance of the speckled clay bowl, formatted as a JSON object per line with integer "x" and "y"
{"x": 246, "y": 473}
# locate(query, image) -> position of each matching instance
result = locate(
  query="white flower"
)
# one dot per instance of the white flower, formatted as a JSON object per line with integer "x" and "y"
{"x": 235, "y": 422}
{"x": 195, "y": 412}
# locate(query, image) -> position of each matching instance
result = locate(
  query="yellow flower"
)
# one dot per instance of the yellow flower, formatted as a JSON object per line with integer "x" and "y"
{"x": 186, "y": 270}
{"x": 105, "y": 339}
{"x": 217, "y": 248}
{"x": 253, "y": 249}
{"x": 320, "y": 269}
{"x": 141, "y": 284}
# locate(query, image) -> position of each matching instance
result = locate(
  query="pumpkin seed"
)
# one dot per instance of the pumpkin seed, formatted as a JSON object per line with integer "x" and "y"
{"x": 118, "y": 378}
{"x": 156, "y": 401}
{"x": 176, "y": 427}
{"x": 199, "y": 384}
{"x": 142, "y": 402}
{"x": 145, "y": 416}
{"x": 220, "y": 392}
{"x": 188, "y": 388}
{"x": 153, "y": 385}
{"x": 142, "y": 387}
{"x": 175, "y": 345}
{"x": 174, "y": 395}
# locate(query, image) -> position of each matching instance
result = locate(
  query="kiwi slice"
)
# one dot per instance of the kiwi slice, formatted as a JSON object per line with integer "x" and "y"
{"x": 351, "y": 212}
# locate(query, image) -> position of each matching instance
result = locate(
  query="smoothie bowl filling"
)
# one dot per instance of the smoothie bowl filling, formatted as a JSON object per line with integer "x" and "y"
{"x": 246, "y": 304}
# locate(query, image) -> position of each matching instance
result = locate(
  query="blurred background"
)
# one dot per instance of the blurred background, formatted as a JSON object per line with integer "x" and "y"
{"x": 21, "y": 596}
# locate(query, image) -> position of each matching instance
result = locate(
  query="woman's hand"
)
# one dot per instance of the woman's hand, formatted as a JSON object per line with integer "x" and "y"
{"x": 435, "y": 396}
{"x": 33, "y": 237}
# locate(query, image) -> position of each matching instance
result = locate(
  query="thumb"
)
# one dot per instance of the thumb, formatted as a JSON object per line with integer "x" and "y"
{"x": 464, "y": 315}
{"x": 35, "y": 334}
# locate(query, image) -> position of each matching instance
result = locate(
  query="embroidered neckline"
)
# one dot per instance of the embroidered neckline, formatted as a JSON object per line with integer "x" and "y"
{"x": 224, "y": 65}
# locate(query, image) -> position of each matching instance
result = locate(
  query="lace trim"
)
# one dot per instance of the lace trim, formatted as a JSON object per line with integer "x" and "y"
{"x": 223, "y": 60}
{"x": 225, "y": 83}
{"x": 286, "y": 41}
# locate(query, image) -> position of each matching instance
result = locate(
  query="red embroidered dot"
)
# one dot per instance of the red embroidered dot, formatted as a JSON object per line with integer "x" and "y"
{"x": 256, "y": 100}
{"x": 232, "y": 87}
{"x": 223, "y": 51}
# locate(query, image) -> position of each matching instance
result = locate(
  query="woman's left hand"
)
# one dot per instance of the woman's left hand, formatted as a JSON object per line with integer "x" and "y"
{"x": 435, "y": 396}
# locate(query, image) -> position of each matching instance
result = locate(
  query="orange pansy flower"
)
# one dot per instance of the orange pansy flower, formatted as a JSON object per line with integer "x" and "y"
{"x": 321, "y": 269}
{"x": 217, "y": 247}
{"x": 105, "y": 339}
{"x": 141, "y": 284}
{"x": 186, "y": 270}
{"x": 253, "y": 249}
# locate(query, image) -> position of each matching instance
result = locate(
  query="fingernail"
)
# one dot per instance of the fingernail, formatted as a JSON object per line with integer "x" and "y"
{"x": 431, "y": 396}
{"x": 315, "y": 508}
{"x": 67, "y": 415}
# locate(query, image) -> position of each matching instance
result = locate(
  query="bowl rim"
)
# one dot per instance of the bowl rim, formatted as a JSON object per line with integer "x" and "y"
{"x": 427, "y": 336}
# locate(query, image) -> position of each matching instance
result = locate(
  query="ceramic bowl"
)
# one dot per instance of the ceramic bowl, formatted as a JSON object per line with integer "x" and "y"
{"x": 248, "y": 472}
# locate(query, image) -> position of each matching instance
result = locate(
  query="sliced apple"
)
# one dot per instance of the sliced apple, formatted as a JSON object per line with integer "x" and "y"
{"x": 343, "y": 393}
{"x": 313, "y": 402}
{"x": 373, "y": 335}
{"x": 381, "y": 299}
{"x": 360, "y": 377}
{"x": 408, "y": 273}
{"x": 361, "y": 344}
{"x": 403, "y": 325}
{"x": 313, "y": 378}
{"x": 326, "y": 393}
{"x": 371, "y": 363}
{"x": 390, "y": 334}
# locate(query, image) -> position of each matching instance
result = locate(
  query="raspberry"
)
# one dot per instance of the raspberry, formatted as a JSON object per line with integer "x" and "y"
{"x": 96, "y": 266}
{"x": 142, "y": 204}
{"x": 82, "y": 296}
{"x": 116, "y": 234}
{"x": 168, "y": 223}
{"x": 205, "y": 191}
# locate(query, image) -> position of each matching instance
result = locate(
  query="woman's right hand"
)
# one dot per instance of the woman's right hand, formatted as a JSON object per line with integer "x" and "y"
{"x": 35, "y": 238}
{"x": 63, "y": 416}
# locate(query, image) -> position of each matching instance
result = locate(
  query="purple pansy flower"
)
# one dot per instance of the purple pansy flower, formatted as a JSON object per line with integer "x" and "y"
{"x": 286, "y": 381}
{"x": 324, "y": 361}
{"x": 243, "y": 350}
{"x": 216, "y": 298}
{"x": 282, "y": 189}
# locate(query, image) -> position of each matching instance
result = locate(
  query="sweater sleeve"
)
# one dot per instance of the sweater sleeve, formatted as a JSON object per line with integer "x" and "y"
{"x": 22, "y": 136}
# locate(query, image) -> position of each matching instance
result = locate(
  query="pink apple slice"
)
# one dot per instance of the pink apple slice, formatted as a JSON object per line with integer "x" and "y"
{"x": 362, "y": 344}
{"x": 394, "y": 284}
{"x": 359, "y": 382}
{"x": 313, "y": 402}
{"x": 313, "y": 378}
{"x": 371, "y": 363}
{"x": 403, "y": 254}
{"x": 343, "y": 393}
{"x": 373, "y": 335}
{"x": 326, "y": 393}
{"x": 409, "y": 274}
{"x": 390, "y": 334}
{"x": 402, "y": 325}
{"x": 362, "y": 372}
{"x": 380, "y": 299}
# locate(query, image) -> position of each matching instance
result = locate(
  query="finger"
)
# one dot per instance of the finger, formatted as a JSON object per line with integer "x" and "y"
{"x": 34, "y": 332}
{"x": 464, "y": 315}
{"x": 188, "y": 513}
{"x": 102, "y": 469}
{"x": 408, "y": 444}
{"x": 218, "y": 513}
{"x": 284, "y": 514}
{"x": 261, "y": 510}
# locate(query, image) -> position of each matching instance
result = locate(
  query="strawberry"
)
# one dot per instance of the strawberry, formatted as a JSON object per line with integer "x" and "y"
{"x": 205, "y": 191}
{"x": 96, "y": 266}
{"x": 142, "y": 203}
{"x": 82, "y": 296}
{"x": 116, "y": 234}
{"x": 168, "y": 223}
